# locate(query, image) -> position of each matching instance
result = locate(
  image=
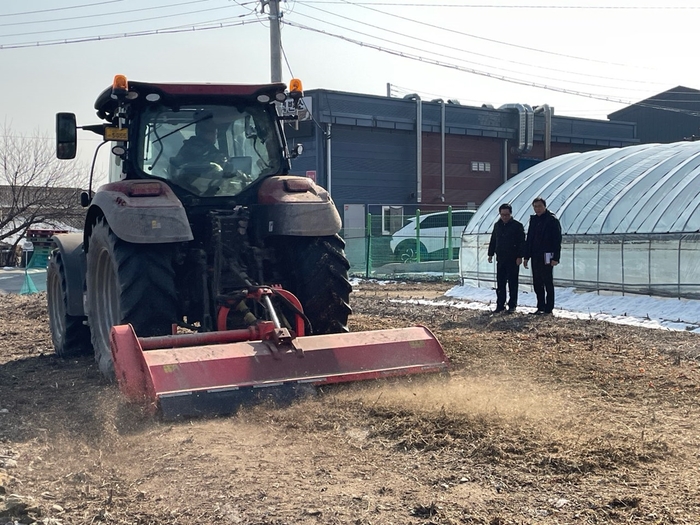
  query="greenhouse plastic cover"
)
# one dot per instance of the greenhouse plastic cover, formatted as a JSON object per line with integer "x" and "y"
{"x": 645, "y": 189}
{"x": 630, "y": 219}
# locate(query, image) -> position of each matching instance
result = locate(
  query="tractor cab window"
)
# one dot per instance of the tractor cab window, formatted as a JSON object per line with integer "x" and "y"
{"x": 210, "y": 150}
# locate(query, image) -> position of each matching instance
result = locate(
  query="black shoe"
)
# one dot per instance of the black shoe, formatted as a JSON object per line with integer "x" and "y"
{"x": 511, "y": 310}
{"x": 499, "y": 309}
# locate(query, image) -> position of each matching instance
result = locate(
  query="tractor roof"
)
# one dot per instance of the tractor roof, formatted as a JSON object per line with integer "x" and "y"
{"x": 105, "y": 104}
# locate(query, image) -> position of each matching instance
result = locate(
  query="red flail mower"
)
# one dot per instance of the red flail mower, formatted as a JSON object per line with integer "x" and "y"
{"x": 186, "y": 375}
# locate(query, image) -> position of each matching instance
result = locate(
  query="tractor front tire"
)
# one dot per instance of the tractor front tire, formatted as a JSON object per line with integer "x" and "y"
{"x": 69, "y": 333}
{"x": 315, "y": 269}
{"x": 127, "y": 283}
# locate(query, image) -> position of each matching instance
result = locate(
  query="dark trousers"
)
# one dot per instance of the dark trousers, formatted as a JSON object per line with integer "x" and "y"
{"x": 543, "y": 283}
{"x": 507, "y": 272}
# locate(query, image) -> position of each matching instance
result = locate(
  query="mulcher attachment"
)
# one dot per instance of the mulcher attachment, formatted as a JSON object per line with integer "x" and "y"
{"x": 215, "y": 372}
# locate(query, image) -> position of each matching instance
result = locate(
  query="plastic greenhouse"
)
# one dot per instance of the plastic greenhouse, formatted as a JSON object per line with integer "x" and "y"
{"x": 630, "y": 219}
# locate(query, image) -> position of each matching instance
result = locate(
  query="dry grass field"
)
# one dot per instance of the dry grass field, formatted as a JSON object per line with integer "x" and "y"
{"x": 542, "y": 421}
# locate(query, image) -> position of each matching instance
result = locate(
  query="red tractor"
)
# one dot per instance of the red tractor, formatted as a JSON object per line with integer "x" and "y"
{"x": 201, "y": 229}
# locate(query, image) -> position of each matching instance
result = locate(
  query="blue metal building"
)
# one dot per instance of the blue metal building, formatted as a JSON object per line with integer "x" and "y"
{"x": 365, "y": 149}
{"x": 670, "y": 116}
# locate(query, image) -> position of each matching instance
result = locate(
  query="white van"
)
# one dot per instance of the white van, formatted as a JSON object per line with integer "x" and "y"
{"x": 433, "y": 236}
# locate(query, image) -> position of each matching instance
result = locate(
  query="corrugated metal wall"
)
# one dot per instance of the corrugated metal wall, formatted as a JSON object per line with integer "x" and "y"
{"x": 372, "y": 165}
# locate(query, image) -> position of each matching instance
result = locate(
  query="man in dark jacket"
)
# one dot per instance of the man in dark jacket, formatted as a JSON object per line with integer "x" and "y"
{"x": 543, "y": 248}
{"x": 508, "y": 244}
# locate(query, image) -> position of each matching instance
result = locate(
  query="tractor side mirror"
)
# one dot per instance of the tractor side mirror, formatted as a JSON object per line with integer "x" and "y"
{"x": 66, "y": 136}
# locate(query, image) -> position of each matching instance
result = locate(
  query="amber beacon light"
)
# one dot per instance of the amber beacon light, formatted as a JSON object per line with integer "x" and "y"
{"x": 295, "y": 90}
{"x": 295, "y": 85}
{"x": 120, "y": 85}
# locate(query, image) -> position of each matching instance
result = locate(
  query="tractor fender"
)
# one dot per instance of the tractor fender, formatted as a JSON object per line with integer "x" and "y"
{"x": 70, "y": 245}
{"x": 140, "y": 212}
{"x": 290, "y": 205}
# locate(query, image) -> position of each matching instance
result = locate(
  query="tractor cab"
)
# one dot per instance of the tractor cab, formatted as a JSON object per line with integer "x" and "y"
{"x": 208, "y": 140}
{"x": 208, "y": 149}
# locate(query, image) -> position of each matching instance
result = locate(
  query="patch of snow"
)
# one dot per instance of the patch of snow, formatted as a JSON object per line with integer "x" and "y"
{"x": 660, "y": 313}
{"x": 637, "y": 310}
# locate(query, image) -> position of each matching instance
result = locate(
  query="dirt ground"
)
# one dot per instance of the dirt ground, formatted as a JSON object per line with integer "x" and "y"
{"x": 542, "y": 420}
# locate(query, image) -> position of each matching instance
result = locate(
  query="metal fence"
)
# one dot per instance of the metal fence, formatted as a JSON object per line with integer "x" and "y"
{"x": 400, "y": 245}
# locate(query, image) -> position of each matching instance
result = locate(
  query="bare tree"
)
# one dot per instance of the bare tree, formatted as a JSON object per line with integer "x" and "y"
{"x": 36, "y": 187}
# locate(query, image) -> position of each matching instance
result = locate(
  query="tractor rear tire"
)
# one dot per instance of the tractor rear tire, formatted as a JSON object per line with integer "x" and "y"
{"x": 127, "y": 283}
{"x": 315, "y": 269}
{"x": 69, "y": 333}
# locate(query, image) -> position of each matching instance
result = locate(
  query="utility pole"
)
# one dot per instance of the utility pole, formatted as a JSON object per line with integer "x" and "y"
{"x": 275, "y": 39}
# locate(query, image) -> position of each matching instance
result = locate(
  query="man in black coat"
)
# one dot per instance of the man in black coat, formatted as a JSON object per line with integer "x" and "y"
{"x": 543, "y": 248}
{"x": 508, "y": 244}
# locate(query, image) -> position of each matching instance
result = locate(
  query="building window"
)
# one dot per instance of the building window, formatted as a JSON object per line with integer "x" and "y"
{"x": 481, "y": 166}
{"x": 392, "y": 219}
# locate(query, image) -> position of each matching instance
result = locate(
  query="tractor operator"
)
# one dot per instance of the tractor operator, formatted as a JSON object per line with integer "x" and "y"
{"x": 201, "y": 147}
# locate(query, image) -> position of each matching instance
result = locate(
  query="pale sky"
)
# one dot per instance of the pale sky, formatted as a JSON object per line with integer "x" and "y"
{"x": 594, "y": 56}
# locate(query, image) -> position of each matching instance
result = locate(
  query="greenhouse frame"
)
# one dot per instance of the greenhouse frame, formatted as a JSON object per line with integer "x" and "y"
{"x": 630, "y": 220}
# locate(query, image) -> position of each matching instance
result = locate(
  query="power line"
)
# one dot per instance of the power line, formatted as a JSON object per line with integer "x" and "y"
{"x": 165, "y": 31}
{"x": 284, "y": 54}
{"x": 60, "y": 8}
{"x": 468, "y": 61}
{"x": 494, "y": 41}
{"x": 503, "y": 78}
{"x": 432, "y": 42}
{"x": 253, "y": 10}
{"x": 407, "y": 91}
{"x": 96, "y": 15}
{"x": 430, "y": 61}
{"x": 111, "y": 24}
{"x": 402, "y": 90}
{"x": 517, "y": 6}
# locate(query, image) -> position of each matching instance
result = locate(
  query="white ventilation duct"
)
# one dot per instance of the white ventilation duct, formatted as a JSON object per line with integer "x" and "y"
{"x": 530, "y": 136}
{"x": 548, "y": 112}
{"x": 526, "y": 126}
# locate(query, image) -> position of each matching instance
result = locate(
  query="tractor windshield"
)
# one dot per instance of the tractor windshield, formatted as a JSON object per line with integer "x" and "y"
{"x": 210, "y": 150}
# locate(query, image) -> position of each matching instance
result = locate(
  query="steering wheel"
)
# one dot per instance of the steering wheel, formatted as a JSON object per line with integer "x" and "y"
{"x": 230, "y": 172}
{"x": 212, "y": 172}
